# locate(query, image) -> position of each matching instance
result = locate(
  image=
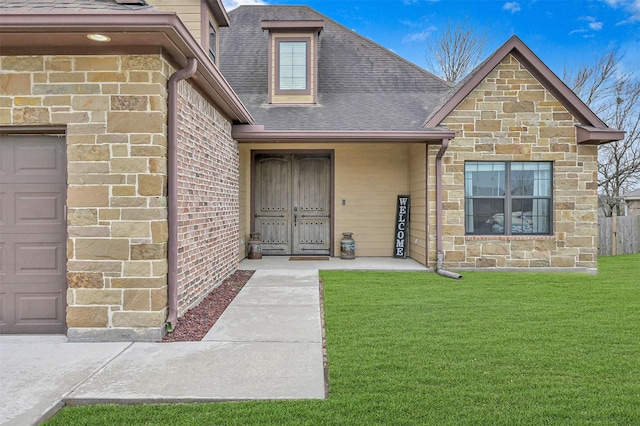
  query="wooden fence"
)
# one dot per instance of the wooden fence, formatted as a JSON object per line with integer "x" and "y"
{"x": 618, "y": 235}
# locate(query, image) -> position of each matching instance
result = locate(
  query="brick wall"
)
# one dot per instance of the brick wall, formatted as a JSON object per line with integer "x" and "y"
{"x": 208, "y": 198}
{"x": 114, "y": 112}
{"x": 511, "y": 117}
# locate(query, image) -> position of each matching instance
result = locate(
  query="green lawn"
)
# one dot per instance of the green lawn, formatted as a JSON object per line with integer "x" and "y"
{"x": 494, "y": 348}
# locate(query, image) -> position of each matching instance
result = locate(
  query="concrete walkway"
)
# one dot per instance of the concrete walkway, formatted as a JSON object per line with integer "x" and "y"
{"x": 266, "y": 345}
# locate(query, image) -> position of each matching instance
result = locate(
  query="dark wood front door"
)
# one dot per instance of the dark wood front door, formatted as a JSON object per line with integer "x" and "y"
{"x": 292, "y": 203}
{"x": 32, "y": 234}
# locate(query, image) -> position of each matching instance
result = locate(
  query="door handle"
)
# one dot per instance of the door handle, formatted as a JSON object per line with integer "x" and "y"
{"x": 295, "y": 216}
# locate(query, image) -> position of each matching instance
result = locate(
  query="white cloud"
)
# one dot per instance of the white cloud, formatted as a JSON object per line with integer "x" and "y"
{"x": 420, "y": 36}
{"x": 592, "y": 25}
{"x": 512, "y": 6}
{"x": 232, "y": 4}
{"x": 580, "y": 31}
{"x": 632, "y": 7}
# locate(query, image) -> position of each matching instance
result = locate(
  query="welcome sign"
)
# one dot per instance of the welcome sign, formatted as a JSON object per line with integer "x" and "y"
{"x": 402, "y": 226}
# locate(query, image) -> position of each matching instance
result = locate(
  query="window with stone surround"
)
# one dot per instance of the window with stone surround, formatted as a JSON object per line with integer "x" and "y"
{"x": 508, "y": 198}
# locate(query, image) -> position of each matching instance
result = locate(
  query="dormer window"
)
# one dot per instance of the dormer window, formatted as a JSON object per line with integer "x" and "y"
{"x": 293, "y": 61}
{"x": 292, "y": 66}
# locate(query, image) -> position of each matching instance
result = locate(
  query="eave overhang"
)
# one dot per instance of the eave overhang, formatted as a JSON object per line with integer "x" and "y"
{"x": 219, "y": 12}
{"x": 589, "y": 135}
{"x": 142, "y": 32}
{"x": 302, "y": 25}
{"x": 257, "y": 134}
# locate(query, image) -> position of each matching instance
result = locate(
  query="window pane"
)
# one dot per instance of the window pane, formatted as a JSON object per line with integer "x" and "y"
{"x": 521, "y": 182}
{"x": 212, "y": 43}
{"x": 530, "y": 216}
{"x": 541, "y": 215}
{"x": 531, "y": 179}
{"x": 293, "y": 65}
{"x": 484, "y": 216}
{"x": 484, "y": 179}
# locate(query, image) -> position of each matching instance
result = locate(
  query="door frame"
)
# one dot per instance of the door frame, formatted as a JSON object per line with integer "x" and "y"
{"x": 252, "y": 187}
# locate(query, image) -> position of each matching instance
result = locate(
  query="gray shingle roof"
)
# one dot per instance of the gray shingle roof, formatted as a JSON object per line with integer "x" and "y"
{"x": 67, "y": 5}
{"x": 632, "y": 194}
{"x": 361, "y": 85}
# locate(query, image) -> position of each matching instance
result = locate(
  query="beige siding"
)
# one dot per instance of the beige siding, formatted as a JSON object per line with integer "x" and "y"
{"x": 245, "y": 200}
{"x": 417, "y": 190}
{"x": 368, "y": 177}
{"x": 189, "y": 12}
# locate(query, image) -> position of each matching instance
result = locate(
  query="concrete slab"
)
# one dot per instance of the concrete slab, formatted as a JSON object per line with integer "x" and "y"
{"x": 267, "y": 345}
{"x": 207, "y": 371}
{"x": 273, "y": 306}
{"x": 265, "y": 324}
{"x": 284, "y": 278}
{"x": 334, "y": 263}
{"x": 37, "y": 372}
{"x": 280, "y": 296}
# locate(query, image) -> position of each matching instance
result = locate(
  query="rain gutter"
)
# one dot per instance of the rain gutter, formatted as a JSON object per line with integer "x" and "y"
{"x": 257, "y": 134}
{"x": 172, "y": 178}
{"x": 439, "y": 250}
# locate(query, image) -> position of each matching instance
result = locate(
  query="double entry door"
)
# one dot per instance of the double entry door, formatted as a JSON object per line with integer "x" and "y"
{"x": 292, "y": 203}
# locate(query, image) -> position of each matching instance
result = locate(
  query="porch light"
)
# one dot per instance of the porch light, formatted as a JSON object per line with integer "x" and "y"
{"x": 99, "y": 37}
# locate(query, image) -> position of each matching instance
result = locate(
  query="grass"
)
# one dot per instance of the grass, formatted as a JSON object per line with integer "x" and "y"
{"x": 494, "y": 348}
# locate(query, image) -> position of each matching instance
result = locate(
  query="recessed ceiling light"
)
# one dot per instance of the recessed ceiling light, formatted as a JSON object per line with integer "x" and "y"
{"x": 99, "y": 37}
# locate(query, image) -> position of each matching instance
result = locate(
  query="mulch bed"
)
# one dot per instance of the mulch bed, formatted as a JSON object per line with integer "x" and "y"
{"x": 195, "y": 324}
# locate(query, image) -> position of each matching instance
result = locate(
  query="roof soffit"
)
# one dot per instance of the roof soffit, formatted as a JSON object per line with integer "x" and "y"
{"x": 258, "y": 134}
{"x": 299, "y": 25}
{"x": 217, "y": 9}
{"x": 537, "y": 68}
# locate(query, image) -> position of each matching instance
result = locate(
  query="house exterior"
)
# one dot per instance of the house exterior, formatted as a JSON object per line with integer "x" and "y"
{"x": 120, "y": 175}
{"x": 501, "y": 169}
{"x": 135, "y": 168}
{"x": 631, "y": 203}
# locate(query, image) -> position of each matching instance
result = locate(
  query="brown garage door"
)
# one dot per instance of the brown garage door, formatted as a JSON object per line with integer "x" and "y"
{"x": 32, "y": 234}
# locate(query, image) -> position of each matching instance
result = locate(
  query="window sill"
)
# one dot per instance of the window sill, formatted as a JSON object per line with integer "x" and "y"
{"x": 509, "y": 237}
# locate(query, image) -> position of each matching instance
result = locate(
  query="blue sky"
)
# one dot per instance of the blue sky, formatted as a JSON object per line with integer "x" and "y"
{"x": 563, "y": 33}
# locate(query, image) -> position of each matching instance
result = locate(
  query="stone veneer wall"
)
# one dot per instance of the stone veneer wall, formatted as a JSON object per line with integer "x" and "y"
{"x": 114, "y": 111}
{"x": 510, "y": 116}
{"x": 208, "y": 198}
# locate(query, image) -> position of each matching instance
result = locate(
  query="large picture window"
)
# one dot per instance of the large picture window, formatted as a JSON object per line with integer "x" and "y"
{"x": 508, "y": 198}
{"x": 292, "y": 66}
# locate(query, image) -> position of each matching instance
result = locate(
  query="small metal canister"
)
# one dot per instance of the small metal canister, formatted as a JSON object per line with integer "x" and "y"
{"x": 255, "y": 246}
{"x": 347, "y": 246}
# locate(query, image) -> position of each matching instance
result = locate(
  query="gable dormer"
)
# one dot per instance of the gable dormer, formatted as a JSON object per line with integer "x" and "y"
{"x": 293, "y": 61}
{"x": 203, "y": 18}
